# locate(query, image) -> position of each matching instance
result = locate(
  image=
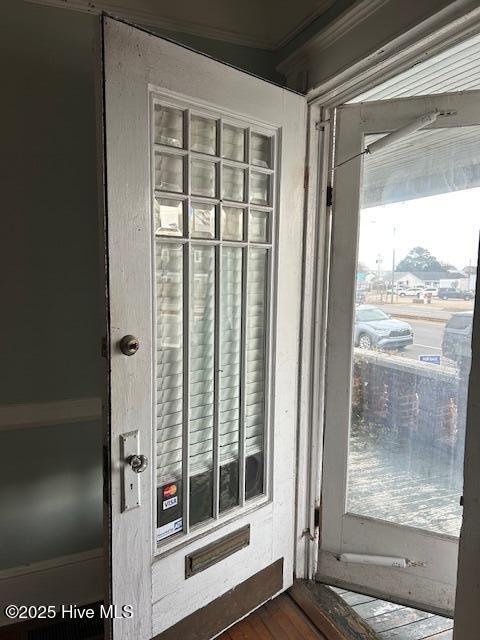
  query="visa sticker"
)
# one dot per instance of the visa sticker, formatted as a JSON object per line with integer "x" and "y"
{"x": 170, "y": 502}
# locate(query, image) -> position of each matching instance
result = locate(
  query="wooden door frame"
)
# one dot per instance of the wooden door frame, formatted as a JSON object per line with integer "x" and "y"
{"x": 322, "y": 102}
{"x": 354, "y": 121}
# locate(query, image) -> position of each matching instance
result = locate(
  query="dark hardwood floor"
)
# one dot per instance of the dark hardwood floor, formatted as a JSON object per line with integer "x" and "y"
{"x": 278, "y": 619}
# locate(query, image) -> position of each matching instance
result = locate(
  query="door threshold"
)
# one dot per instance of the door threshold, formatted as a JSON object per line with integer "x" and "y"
{"x": 390, "y": 619}
{"x": 330, "y": 613}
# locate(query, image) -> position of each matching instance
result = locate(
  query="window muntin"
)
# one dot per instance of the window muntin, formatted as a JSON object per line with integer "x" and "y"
{"x": 212, "y": 372}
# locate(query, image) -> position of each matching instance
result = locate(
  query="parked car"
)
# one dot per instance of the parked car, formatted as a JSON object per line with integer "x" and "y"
{"x": 449, "y": 293}
{"x": 433, "y": 291}
{"x": 413, "y": 291}
{"x": 375, "y": 328}
{"x": 457, "y": 337}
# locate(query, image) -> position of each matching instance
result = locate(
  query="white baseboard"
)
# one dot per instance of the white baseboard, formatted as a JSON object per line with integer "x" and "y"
{"x": 73, "y": 579}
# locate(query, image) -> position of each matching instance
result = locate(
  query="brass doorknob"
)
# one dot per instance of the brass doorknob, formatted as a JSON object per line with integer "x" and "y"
{"x": 129, "y": 345}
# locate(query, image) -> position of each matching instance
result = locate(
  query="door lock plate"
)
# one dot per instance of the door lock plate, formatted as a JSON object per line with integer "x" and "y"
{"x": 130, "y": 451}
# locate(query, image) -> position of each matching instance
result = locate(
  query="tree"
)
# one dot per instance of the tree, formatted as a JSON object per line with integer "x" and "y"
{"x": 470, "y": 270}
{"x": 447, "y": 266}
{"x": 419, "y": 259}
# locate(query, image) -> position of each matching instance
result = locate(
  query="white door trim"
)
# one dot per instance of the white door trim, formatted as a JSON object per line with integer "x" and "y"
{"x": 445, "y": 29}
{"x": 342, "y": 532}
{"x": 316, "y": 242}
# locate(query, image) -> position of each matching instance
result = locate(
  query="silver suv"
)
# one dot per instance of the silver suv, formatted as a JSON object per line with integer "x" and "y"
{"x": 375, "y": 328}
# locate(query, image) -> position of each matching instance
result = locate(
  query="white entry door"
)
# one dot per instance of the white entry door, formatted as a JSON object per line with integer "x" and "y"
{"x": 406, "y": 222}
{"x": 204, "y": 175}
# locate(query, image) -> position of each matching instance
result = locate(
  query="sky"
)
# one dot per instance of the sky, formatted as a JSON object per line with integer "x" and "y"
{"x": 448, "y": 225}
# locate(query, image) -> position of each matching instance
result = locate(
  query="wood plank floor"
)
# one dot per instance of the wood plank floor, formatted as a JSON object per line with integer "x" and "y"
{"x": 278, "y": 619}
{"x": 395, "y": 622}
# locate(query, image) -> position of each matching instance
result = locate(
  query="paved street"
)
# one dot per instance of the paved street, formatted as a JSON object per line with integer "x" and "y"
{"x": 428, "y": 334}
{"x": 427, "y": 339}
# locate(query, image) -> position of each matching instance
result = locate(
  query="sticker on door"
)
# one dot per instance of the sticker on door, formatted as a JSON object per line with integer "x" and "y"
{"x": 169, "y": 529}
{"x": 169, "y": 509}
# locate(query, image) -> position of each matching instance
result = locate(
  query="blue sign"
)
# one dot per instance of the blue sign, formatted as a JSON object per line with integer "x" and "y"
{"x": 430, "y": 359}
{"x": 361, "y": 276}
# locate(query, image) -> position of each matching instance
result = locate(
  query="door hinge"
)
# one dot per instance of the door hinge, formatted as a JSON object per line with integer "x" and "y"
{"x": 320, "y": 124}
{"x": 306, "y": 533}
{"x": 329, "y": 195}
{"x": 306, "y": 177}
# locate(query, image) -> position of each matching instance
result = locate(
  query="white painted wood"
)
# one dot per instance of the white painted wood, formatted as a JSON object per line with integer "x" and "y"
{"x": 342, "y": 532}
{"x": 134, "y": 63}
{"x": 315, "y": 268}
{"x": 76, "y": 579}
{"x": 41, "y": 414}
{"x": 383, "y": 583}
{"x": 373, "y": 41}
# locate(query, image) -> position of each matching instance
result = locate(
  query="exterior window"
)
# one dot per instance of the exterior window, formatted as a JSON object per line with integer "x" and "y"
{"x": 213, "y": 220}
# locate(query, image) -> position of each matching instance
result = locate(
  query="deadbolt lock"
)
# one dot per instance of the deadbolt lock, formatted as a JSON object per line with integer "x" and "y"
{"x": 129, "y": 345}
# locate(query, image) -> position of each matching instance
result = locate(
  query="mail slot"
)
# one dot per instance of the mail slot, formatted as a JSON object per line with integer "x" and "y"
{"x": 216, "y": 551}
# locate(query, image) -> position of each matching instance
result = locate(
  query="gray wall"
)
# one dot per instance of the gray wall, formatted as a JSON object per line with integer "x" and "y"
{"x": 50, "y": 477}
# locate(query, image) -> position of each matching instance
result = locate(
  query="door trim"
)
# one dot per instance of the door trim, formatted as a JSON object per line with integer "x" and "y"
{"x": 339, "y": 528}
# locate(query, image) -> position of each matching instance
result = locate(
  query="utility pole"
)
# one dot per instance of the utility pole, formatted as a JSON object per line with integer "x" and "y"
{"x": 393, "y": 262}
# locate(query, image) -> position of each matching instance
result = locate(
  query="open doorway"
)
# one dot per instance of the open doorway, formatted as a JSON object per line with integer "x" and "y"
{"x": 404, "y": 257}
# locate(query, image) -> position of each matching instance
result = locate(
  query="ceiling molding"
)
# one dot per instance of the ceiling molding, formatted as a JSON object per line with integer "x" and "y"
{"x": 337, "y": 29}
{"x": 153, "y": 20}
{"x": 303, "y": 25}
{"x": 445, "y": 29}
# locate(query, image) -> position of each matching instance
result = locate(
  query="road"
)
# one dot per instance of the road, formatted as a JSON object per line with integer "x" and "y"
{"x": 428, "y": 334}
{"x": 427, "y": 339}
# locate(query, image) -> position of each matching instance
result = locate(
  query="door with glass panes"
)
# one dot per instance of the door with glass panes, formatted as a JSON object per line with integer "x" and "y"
{"x": 402, "y": 285}
{"x": 204, "y": 175}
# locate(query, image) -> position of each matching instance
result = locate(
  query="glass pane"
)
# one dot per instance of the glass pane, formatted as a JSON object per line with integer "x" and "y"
{"x": 261, "y": 152}
{"x": 258, "y": 226}
{"x": 203, "y": 178}
{"x": 168, "y": 126}
{"x": 202, "y": 323}
{"x": 202, "y": 221}
{"x": 419, "y": 228}
{"x": 169, "y": 384}
{"x": 203, "y": 135}
{"x": 255, "y": 384}
{"x": 233, "y": 143}
{"x": 232, "y": 223}
{"x": 259, "y": 188}
{"x": 169, "y": 172}
{"x": 231, "y": 324}
{"x": 233, "y": 184}
{"x": 168, "y": 217}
